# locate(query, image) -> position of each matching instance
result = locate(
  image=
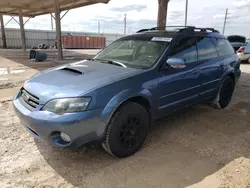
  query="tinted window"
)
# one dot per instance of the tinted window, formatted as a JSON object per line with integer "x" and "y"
{"x": 206, "y": 49}
{"x": 186, "y": 49}
{"x": 223, "y": 47}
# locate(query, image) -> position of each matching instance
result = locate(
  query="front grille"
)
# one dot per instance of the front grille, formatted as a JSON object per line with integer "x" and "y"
{"x": 28, "y": 100}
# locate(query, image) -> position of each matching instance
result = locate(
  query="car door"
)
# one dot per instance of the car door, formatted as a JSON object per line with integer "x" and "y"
{"x": 179, "y": 87}
{"x": 210, "y": 66}
{"x": 227, "y": 57}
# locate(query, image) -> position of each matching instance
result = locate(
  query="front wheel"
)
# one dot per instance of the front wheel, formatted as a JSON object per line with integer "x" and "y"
{"x": 127, "y": 130}
{"x": 225, "y": 93}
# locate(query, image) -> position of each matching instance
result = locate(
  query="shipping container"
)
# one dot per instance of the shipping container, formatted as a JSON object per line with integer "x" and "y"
{"x": 83, "y": 42}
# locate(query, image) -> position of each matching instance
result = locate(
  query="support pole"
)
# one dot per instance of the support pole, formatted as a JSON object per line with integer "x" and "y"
{"x": 51, "y": 20}
{"x": 162, "y": 13}
{"x": 3, "y": 32}
{"x": 186, "y": 12}
{"x": 99, "y": 27}
{"x": 125, "y": 24}
{"x": 22, "y": 30}
{"x": 58, "y": 29}
{"x": 225, "y": 21}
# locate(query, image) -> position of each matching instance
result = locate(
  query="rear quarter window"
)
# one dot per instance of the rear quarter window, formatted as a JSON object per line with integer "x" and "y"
{"x": 223, "y": 47}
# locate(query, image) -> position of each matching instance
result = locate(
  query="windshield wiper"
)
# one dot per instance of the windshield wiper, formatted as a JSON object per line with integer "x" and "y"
{"x": 111, "y": 62}
{"x": 116, "y": 63}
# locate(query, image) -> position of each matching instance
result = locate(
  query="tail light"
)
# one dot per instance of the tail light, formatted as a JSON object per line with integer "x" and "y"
{"x": 241, "y": 49}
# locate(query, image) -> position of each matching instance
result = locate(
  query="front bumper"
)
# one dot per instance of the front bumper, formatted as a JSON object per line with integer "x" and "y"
{"x": 82, "y": 127}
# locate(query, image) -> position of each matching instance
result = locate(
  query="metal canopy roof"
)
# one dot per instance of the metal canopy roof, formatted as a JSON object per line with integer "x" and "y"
{"x": 31, "y": 8}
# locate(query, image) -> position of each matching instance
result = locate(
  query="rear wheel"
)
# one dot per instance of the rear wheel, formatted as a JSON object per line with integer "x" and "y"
{"x": 225, "y": 93}
{"x": 248, "y": 60}
{"x": 127, "y": 130}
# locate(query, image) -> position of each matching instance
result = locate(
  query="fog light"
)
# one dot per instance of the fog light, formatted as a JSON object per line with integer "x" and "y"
{"x": 65, "y": 137}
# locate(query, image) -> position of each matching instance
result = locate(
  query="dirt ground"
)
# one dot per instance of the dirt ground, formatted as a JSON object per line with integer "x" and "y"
{"x": 196, "y": 147}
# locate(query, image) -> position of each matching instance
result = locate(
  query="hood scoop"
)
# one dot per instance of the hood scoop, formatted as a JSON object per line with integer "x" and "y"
{"x": 72, "y": 70}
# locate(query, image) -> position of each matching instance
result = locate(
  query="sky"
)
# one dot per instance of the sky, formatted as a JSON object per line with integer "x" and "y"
{"x": 143, "y": 14}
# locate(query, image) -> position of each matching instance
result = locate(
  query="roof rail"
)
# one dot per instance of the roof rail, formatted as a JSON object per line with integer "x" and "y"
{"x": 178, "y": 27}
{"x": 158, "y": 28}
{"x": 142, "y": 30}
{"x": 181, "y": 29}
{"x": 208, "y": 29}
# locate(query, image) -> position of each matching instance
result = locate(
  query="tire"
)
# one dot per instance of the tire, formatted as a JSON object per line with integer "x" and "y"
{"x": 40, "y": 46}
{"x": 248, "y": 60}
{"x": 127, "y": 130}
{"x": 225, "y": 93}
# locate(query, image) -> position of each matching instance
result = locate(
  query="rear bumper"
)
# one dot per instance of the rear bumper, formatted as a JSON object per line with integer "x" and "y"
{"x": 243, "y": 57}
{"x": 82, "y": 127}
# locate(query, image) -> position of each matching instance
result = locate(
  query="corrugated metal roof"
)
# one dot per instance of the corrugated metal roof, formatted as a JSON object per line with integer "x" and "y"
{"x": 31, "y": 8}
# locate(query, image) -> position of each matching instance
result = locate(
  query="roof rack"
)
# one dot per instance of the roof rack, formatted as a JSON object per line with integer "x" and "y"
{"x": 207, "y": 29}
{"x": 181, "y": 29}
{"x": 158, "y": 28}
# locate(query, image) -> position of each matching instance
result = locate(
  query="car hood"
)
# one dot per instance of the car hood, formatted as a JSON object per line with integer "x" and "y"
{"x": 75, "y": 79}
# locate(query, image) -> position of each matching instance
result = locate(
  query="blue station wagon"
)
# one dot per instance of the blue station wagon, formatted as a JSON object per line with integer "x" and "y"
{"x": 113, "y": 98}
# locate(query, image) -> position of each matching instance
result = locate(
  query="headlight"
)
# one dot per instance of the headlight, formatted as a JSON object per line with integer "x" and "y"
{"x": 67, "y": 105}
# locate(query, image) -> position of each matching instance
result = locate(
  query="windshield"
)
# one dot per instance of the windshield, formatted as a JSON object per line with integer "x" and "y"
{"x": 137, "y": 53}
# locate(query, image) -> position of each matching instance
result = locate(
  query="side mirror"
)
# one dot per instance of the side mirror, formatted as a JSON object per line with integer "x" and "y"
{"x": 176, "y": 63}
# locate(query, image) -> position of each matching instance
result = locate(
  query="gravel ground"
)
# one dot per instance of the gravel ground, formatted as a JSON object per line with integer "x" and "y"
{"x": 196, "y": 147}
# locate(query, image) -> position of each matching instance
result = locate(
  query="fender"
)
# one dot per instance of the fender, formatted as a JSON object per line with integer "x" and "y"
{"x": 116, "y": 101}
{"x": 120, "y": 98}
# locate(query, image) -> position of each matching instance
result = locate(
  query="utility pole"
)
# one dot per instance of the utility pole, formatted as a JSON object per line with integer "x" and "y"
{"x": 125, "y": 23}
{"x": 99, "y": 28}
{"x": 186, "y": 12}
{"x": 225, "y": 21}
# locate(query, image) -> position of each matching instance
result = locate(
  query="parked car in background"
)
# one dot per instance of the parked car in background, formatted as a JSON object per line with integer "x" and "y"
{"x": 236, "y": 41}
{"x": 113, "y": 98}
{"x": 244, "y": 52}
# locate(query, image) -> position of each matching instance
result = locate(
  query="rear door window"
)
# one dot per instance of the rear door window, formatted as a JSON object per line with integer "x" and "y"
{"x": 185, "y": 49}
{"x": 206, "y": 49}
{"x": 223, "y": 47}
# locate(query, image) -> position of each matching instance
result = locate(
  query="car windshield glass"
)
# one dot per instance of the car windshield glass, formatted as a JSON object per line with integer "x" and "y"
{"x": 136, "y": 53}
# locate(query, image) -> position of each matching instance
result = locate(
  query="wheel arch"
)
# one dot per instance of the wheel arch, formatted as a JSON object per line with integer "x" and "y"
{"x": 139, "y": 99}
{"x": 143, "y": 97}
{"x": 231, "y": 75}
